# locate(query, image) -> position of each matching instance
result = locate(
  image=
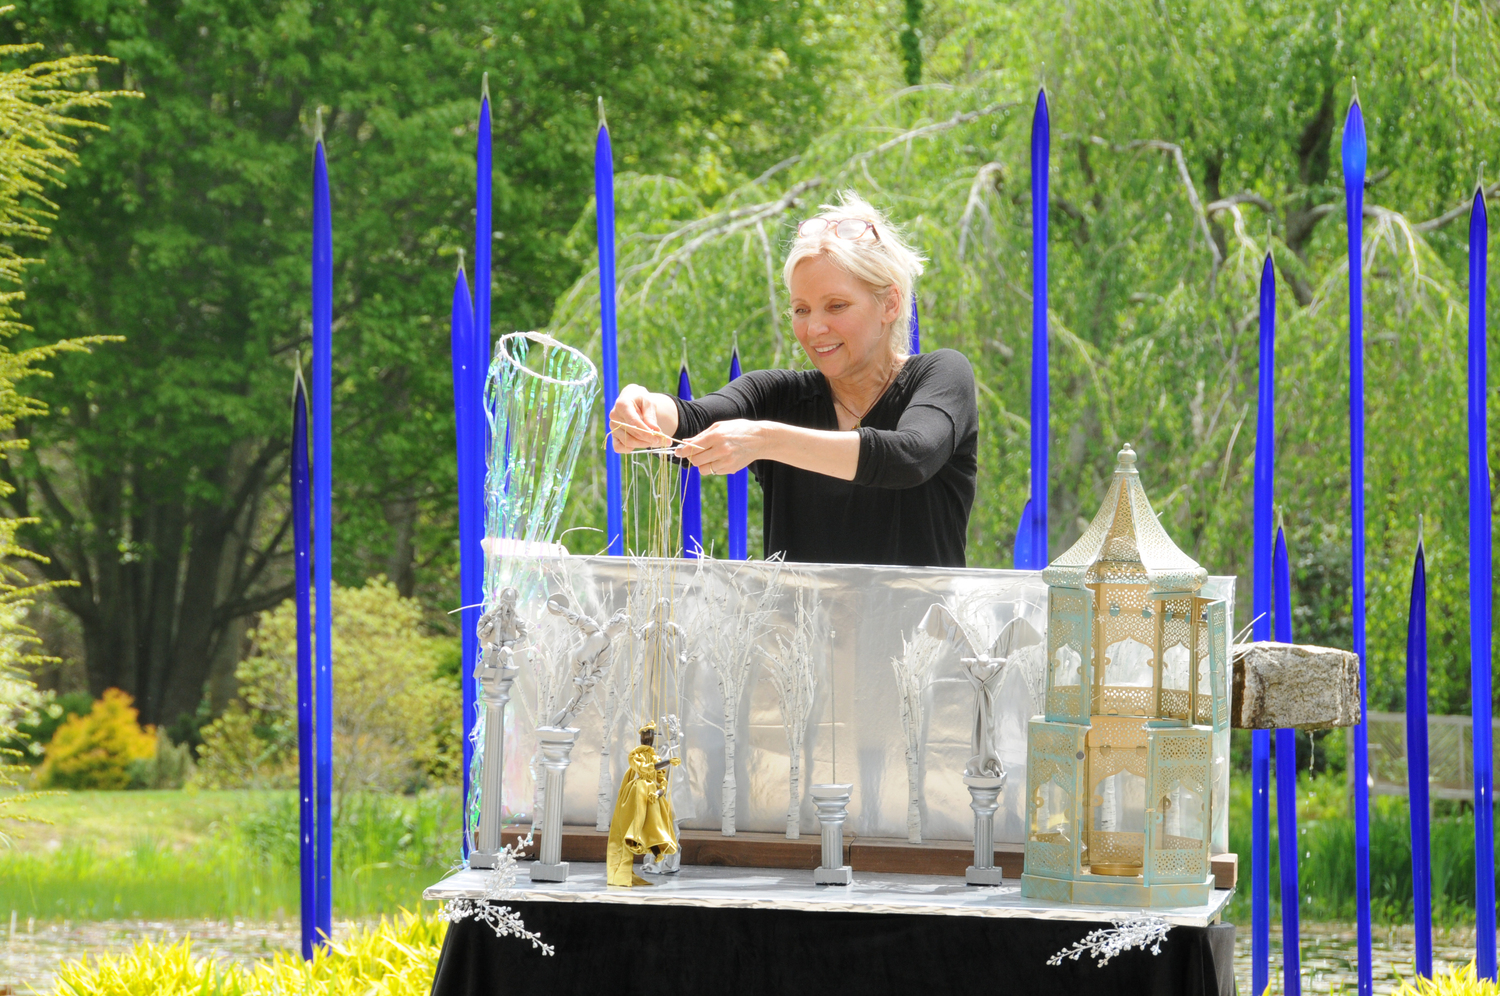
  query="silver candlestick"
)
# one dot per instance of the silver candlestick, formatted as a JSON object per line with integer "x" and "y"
{"x": 832, "y": 802}
{"x": 557, "y": 754}
{"x": 495, "y": 685}
{"x": 501, "y": 632}
{"x": 984, "y": 799}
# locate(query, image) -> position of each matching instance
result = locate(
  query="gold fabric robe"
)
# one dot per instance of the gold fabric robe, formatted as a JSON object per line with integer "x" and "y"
{"x": 642, "y": 821}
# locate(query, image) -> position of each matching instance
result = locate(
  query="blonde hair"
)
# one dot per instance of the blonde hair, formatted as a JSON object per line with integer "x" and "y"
{"x": 880, "y": 263}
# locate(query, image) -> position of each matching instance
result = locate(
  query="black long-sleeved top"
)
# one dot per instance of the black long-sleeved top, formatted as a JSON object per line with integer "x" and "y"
{"x": 910, "y": 498}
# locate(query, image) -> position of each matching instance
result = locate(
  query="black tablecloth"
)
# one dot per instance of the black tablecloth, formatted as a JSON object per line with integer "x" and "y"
{"x": 605, "y": 949}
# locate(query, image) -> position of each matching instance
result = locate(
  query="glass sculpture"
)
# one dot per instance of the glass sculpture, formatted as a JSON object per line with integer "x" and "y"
{"x": 538, "y": 398}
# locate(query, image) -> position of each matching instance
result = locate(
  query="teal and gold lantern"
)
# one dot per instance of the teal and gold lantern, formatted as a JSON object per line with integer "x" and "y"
{"x": 1119, "y": 768}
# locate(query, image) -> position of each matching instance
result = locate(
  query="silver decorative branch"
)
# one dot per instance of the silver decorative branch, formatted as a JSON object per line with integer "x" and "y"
{"x": 791, "y": 668}
{"x": 913, "y": 669}
{"x": 1124, "y": 934}
{"x": 499, "y": 883}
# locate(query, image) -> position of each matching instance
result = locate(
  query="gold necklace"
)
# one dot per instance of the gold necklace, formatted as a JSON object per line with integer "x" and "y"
{"x": 859, "y": 419}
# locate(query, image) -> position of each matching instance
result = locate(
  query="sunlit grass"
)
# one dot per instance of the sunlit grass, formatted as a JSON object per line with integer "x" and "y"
{"x": 1326, "y": 857}
{"x": 221, "y": 855}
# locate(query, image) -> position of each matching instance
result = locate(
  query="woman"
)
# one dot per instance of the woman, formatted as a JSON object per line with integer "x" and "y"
{"x": 870, "y": 458}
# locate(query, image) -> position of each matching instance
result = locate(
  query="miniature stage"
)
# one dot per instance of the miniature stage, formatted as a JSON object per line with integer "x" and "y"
{"x": 730, "y": 930}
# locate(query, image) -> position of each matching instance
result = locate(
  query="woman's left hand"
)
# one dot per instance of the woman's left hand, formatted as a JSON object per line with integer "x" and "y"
{"x": 726, "y": 447}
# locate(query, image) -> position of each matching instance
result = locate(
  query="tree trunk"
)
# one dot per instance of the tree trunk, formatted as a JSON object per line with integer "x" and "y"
{"x": 794, "y": 805}
{"x": 730, "y": 791}
{"x": 913, "y": 799}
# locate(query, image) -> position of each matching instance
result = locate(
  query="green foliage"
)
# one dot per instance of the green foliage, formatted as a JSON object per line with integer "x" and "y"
{"x": 1177, "y": 164}
{"x": 1456, "y": 982}
{"x": 188, "y": 226}
{"x": 1325, "y": 873}
{"x": 170, "y": 766}
{"x": 396, "y": 958}
{"x": 45, "y": 713}
{"x": 395, "y": 718}
{"x": 218, "y": 855}
{"x": 38, "y": 101}
{"x": 911, "y": 42}
{"x": 96, "y": 751}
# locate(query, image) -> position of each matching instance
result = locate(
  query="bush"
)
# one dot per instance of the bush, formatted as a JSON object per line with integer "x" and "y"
{"x": 96, "y": 751}
{"x": 395, "y": 717}
{"x": 1459, "y": 982}
{"x": 35, "y": 729}
{"x": 395, "y": 958}
{"x": 169, "y": 768}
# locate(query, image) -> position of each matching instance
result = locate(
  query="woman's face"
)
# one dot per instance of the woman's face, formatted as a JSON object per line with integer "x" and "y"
{"x": 839, "y": 320}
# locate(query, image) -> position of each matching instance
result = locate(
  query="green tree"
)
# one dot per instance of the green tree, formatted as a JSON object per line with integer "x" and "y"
{"x": 397, "y": 724}
{"x": 39, "y": 101}
{"x": 1187, "y": 142}
{"x": 186, "y": 228}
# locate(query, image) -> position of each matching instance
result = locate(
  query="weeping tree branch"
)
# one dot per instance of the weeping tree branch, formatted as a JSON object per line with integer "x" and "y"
{"x": 976, "y": 201}
{"x": 1244, "y": 197}
{"x": 1453, "y": 214}
{"x": 773, "y": 306}
{"x": 1175, "y": 151}
{"x": 926, "y": 131}
{"x": 688, "y": 238}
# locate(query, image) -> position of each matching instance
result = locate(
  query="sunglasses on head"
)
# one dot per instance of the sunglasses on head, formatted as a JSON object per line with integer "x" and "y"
{"x": 844, "y": 228}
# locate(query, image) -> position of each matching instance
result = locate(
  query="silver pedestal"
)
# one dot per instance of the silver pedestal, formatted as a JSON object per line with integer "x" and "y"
{"x": 832, "y": 802}
{"x": 495, "y": 694}
{"x": 984, "y": 799}
{"x": 557, "y": 754}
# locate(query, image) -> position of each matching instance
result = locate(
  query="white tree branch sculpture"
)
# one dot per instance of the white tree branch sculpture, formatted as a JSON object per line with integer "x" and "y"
{"x": 737, "y": 618}
{"x": 913, "y": 670}
{"x": 791, "y": 668}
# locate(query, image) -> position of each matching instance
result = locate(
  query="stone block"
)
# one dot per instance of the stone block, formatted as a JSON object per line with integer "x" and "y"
{"x": 1279, "y": 685}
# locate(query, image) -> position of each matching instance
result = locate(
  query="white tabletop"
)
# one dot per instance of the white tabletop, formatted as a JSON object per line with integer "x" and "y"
{"x": 775, "y": 888}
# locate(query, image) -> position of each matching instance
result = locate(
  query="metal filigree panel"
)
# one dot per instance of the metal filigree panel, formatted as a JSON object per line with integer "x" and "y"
{"x": 1180, "y": 818}
{"x": 1054, "y": 785}
{"x": 1125, "y": 702}
{"x": 1069, "y": 653}
{"x": 1218, "y": 666}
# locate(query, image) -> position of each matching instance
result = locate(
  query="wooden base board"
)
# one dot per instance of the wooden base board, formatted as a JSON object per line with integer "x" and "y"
{"x": 867, "y": 854}
{"x": 774, "y": 850}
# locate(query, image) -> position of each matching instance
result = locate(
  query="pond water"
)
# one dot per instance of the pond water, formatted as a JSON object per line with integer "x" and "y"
{"x": 1329, "y": 958}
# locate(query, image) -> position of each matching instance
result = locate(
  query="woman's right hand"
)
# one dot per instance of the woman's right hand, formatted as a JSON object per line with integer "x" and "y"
{"x": 635, "y": 422}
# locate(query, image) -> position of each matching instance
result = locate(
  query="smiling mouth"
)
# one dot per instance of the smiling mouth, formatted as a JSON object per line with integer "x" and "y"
{"x": 825, "y": 350}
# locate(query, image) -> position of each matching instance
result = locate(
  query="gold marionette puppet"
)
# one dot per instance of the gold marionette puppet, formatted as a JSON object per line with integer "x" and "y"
{"x": 642, "y": 822}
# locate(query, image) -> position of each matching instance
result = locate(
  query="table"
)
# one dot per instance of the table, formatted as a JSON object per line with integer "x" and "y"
{"x": 767, "y": 931}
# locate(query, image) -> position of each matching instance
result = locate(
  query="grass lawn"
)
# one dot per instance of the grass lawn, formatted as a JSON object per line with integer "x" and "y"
{"x": 185, "y": 854}
{"x": 113, "y": 823}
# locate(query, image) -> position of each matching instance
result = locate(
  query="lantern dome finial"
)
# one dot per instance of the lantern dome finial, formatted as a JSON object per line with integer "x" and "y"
{"x": 1126, "y": 543}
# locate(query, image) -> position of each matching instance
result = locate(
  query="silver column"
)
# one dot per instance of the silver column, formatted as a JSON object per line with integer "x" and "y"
{"x": 557, "y": 754}
{"x": 832, "y": 802}
{"x": 495, "y": 691}
{"x": 984, "y": 796}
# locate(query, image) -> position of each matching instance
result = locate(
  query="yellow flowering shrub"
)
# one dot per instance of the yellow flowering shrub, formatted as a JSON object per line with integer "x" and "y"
{"x": 395, "y": 958}
{"x": 95, "y": 751}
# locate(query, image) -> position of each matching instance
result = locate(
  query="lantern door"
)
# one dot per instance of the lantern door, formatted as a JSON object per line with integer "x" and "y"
{"x": 1070, "y": 614}
{"x": 1180, "y": 814}
{"x": 1054, "y": 790}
